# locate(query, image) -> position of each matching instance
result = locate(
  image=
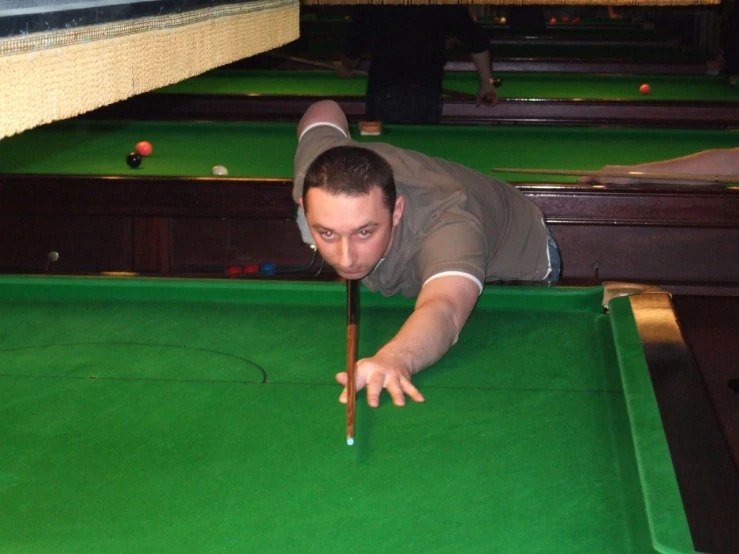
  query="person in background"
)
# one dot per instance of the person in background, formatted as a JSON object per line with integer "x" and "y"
{"x": 407, "y": 46}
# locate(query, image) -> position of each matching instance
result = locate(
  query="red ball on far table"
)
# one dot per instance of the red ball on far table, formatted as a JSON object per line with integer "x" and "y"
{"x": 252, "y": 268}
{"x": 144, "y": 148}
{"x": 645, "y": 89}
{"x": 233, "y": 270}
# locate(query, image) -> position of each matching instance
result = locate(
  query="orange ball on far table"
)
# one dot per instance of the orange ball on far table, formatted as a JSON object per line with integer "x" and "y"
{"x": 645, "y": 89}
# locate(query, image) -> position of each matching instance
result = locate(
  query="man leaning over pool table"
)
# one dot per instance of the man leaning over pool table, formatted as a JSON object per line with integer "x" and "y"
{"x": 404, "y": 222}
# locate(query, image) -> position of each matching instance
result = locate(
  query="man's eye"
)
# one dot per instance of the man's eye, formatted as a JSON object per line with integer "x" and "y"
{"x": 364, "y": 233}
{"x": 328, "y": 234}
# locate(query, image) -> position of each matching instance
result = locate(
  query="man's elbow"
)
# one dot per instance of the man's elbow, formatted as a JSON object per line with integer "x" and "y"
{"x": 324, "y": 111}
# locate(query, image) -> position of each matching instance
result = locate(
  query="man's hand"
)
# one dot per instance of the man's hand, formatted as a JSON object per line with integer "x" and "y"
{"x": 486, "y": 93}
{"x": 595, "y": 178}
{"x": 441, "y": 310}
{"x": 719, "y": 161}
{"x": 345, "y": 67}
{"x": 382, "y": 372}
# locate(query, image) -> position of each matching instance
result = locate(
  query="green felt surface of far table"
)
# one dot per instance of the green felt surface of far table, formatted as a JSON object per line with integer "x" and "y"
{"x": 202, "y": 416}
{"x": 551, "y": 86}
{"x": 266, "y": 150}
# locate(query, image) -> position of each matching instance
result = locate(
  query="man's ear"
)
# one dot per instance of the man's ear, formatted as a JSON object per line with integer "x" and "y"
{"x": 300, "y": 202}
{"x": 398, "y": 211}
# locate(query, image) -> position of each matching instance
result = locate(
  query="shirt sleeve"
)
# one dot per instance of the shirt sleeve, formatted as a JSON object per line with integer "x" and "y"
{"x": 455, "y": 247}
{"x": 469, "y": 33}
{"x": 315, "y": 140}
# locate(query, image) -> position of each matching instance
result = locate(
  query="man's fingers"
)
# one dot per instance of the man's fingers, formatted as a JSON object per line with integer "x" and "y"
{"x": 490, "y": 99}
{"x": 395, "y": 389}
{"x": 411, "y": 391}
{"x": 341, "y": 379}
{"x": 374, "y": 388}
{"x": 396, "y": 385}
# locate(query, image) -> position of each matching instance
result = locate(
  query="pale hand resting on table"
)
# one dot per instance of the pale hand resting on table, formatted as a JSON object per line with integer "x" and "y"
{"x": 345, "y": 67}
{"x": 709, "y": 162}
{"x": 441, "y": 311}
{"x": 486, "y": 94}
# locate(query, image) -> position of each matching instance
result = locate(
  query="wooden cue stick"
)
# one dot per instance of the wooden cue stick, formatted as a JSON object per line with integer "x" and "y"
{"x": 324, "y": 65}
{"x": 715, "y": 179}
{"x": 352, "y": 332}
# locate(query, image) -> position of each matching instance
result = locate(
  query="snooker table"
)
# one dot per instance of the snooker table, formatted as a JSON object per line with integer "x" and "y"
{"x": 157, "y": 415}
{"x": 537, "y": 98}
{"x": 66, "y": 187}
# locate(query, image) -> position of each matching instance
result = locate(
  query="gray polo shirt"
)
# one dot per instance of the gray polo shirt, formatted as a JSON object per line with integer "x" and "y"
{"x": 456, "y": 220}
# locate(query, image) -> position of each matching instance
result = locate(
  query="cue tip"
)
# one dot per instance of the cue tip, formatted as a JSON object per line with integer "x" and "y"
{"x": 350, "y": 441}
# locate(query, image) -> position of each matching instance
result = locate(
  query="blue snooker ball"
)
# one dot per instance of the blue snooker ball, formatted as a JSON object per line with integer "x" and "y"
{"x": 268, "y": 269}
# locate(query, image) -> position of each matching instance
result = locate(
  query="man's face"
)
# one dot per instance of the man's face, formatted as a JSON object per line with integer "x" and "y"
{"x": 352, "y": 233}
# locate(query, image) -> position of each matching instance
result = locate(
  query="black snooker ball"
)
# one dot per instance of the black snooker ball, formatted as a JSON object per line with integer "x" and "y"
{"x": 133, "y": 160}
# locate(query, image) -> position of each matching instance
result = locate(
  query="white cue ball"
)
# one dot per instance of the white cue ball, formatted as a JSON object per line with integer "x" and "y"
{"x": 219, "y": 170}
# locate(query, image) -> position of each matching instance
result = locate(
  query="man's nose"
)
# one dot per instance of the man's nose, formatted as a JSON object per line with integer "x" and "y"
{"x": 348, "y": 257}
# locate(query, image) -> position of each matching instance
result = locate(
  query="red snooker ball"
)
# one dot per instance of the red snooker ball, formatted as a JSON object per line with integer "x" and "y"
{"x": 144, "y": 148}
{"x": 645, "y": 89}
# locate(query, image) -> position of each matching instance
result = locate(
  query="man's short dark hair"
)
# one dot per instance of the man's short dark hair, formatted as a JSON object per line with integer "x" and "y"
{"x": 352, "y": 171}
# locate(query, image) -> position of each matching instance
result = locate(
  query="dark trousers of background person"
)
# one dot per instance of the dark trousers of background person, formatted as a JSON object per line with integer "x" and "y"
{"x": 730, "y": 40}
{"x": 404, "y": 104}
